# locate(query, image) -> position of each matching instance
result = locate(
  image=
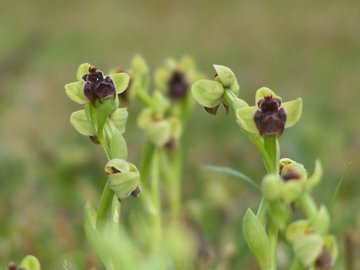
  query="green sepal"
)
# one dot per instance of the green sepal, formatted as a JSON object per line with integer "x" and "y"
{"x": 263, "y": 92}
{"x": 257, "y": 240}
{"x": 315, "y": 178}
{"x": 30, "y": 263}
{"x": 119, "y": 117}
{"x": 245, "y": 118}
{"x": 121, "y": 81}
{"x": 227, "y": 78}
{"x": 308, "y": 248}
{"x": 159, "y": 132}
{"x": 100, "y": 113}
{"x": 75, "y": 91}
{"x": 82, "y": 70}
{"x": 140, "y": 78}
{"x": 293, "y": 111}
{"x": 321, "y": 221}
{"x": 81, "y": 123}
{"x": 118, "y": 147}
{"x": 207, "y": 93}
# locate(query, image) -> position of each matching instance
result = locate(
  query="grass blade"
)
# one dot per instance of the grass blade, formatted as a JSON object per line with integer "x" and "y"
{"x": 232, "y": 172}
{"x": 337, "y": 188}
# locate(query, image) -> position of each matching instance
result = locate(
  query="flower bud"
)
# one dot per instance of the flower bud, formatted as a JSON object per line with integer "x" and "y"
{"x": 124, "y": 178}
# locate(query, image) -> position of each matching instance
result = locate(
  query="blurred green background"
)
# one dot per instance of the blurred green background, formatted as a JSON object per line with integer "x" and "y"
{"x": 47, "y": 171}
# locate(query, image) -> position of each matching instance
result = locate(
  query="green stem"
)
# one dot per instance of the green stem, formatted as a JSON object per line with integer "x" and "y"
{"x": 144, "y": 98}
{"x": 156, "y": 201}
{"x": 104, "y": 208}
{"x": 146, "y": 159}
{"x": 271, "y": 146}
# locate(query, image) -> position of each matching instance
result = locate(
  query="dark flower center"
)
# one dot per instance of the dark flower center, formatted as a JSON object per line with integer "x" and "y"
{"x": 270, "y": 119}
{"x": 178, "y": 85}
{"x": 97, "y": 87}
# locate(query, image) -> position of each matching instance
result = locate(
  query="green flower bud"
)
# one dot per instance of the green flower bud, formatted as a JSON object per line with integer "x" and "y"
{"x": 30, "y": 263}
{"x": 123, "y": 177}
{"x": 257, "y": 240}
{"x": 227, "y": 78}
{"x": 270, "y": 116}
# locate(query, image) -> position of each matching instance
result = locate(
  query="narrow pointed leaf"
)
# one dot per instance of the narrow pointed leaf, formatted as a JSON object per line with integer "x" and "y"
{"x": 225, "y": 170}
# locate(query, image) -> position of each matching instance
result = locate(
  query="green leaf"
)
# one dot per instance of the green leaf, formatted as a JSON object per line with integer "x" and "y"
{"x": 232, "y": 172}
{"x": 82, "y": 70}
{"x": 75, "y": 92}
{"x": 245, "y": 118}
{"x": 257, "y": 240}
{"x": 207, "y": 93}
{"x": 293, "y": 111}
{"x": 30, "y": 263}
{"x": 121, "y": 81}
{"x": 81, "y": 123}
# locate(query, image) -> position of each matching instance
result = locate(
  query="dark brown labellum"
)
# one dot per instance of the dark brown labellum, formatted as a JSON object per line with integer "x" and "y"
{"x": 325, "y": 261}
{"x": 97, "y": 87}
{"x": 171, "y": 144}
{"x": 12, "y": 266}
{"x": 213, "y": 110}
{"x": 290, "y": 175}
{"x": 270, "y": 119}
{"x": 178, "y": 85}
{"x": 136, "y": 192}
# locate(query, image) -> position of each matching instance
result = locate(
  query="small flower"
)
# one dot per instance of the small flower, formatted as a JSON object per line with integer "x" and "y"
{"x": 98, "y": 87}
{"x": 178, "y": 85}
{"x": 271, "y": 116}
{"x": 124, "y": 178}
{"x": 292, "y": 182}
{"x": 175, "y": 77}
{"x": 93, "y": 85}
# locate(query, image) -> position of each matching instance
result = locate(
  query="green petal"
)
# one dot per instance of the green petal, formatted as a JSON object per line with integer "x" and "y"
{"x": 121, "y": 81}
{"x": 187, "y": 64}
{"x": 263, "y": 92}
{"x": 117, "y": 163}
{"x": 293, "y": 111}
{"x": 75, "y": 92}
{"x": 245, "y": 118}
{"x": 160, "y": 103}
{"x": 82, "y": 70}
{"x": 292, "y": 190}
{"x": 207, "y": 92}
{"x": 81, "y": 123}
{"x": 119, "y": 116}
